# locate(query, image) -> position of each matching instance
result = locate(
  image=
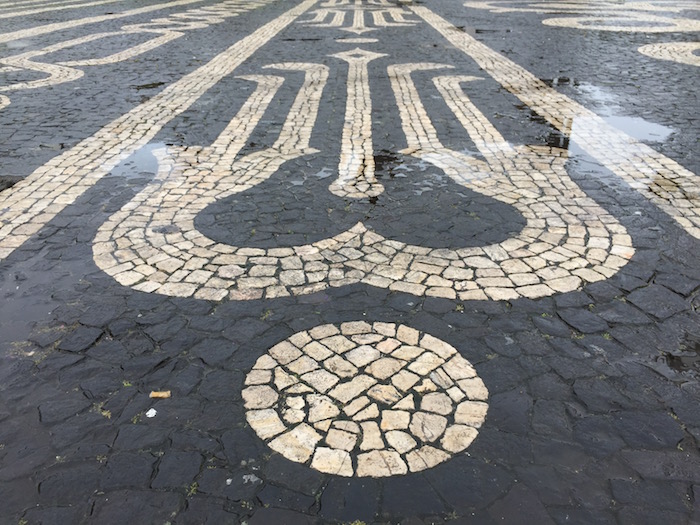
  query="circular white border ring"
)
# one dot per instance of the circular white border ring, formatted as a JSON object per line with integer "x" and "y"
{"x": 681, "y": 52}
{"x": 365, "y": 400}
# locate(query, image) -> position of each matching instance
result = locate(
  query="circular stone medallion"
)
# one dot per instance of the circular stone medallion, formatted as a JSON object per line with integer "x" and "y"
{"x": 365, "y": 399}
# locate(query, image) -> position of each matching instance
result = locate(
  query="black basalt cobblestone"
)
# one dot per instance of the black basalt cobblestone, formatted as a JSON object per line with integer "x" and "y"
{"x": 593, "y": 393}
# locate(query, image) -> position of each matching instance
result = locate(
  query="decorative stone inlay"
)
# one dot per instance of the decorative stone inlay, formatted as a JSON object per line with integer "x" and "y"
{"x": 604, "y": 15}
{"x": 681, "y": 52}
{"x": 381, "y": 400}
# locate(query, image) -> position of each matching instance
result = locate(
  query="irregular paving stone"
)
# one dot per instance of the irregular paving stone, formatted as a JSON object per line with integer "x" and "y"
{"x": 458, "y": 437}
{"x": 60, "y": 409}
{"x": 649, "y": 493}
{"x": 297, "y": 477}
{"x": 298, "y": 444}
{"x": 380, "y": 463}
{"x": 427, "y": 427}
{"x": 664, "y": 465}
{"x": 520, "y": 504}
{"x": 135, "y": 505}
{"x": 465, "y": 486}
{"x": 124, "y": 470}
{"x": 135, "y": 437}
{"x": 332, "y": 461}
{"x": 263, "y": 516}
{"x": 657, "y": 301}
{"x": 348, "y": 500}
{"x": 404, "y": 497}
{"x": 177, "y": 469}
{"x": 210, "y": 510}
{"x": 58, "y": 487}
{"x": 583, "y": 320}
{"x": 273, "y": 496}
{"x": 80, "y": 339}
{"x": 425, "y": 457}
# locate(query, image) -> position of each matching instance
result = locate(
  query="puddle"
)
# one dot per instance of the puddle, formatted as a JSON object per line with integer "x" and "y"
{"x": 141, "y": 163}
{"x": 608, "y": 108}
{"x": 152, "y": 85}
{"x": 18, "y": 44}
{"x": 688, "y": 360}
{"x": 639, "y": 128}
{"x": 7, "y": 181}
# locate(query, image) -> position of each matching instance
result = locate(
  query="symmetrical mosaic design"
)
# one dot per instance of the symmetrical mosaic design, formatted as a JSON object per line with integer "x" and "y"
{"x": 26, "y": 10}
{"x": 347, "y": 15}
{"x": 366, "y": 400}
{"x": 72, "y": 24}
{"x": 42, "y": 195}
{"x": 168, "y": 29}
{"x": 604, "y": 15}
{"x": 681, "y": 52}
{"x": 660, "y": 179}
{"x": 153, "y": 245}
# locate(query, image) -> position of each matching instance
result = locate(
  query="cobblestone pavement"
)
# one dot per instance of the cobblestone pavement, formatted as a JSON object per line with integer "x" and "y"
{"x": 349, "y": 261}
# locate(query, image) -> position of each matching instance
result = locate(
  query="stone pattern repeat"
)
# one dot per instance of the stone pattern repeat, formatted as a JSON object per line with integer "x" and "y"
{"x": 366, "y": 400}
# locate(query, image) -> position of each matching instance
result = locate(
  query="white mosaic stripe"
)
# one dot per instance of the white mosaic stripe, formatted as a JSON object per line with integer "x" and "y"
{"x": 667, "y": 184}
{"x": 604, "y": 15}
{"x": 681, "y": 52}
{"x": 37, "y": 11}
{"x": 61, "y": 26}
{"x": 168, "y": 29}
{"x": 153, "y": 245}
{"x": 37, "y": 199}
{"x": 356, "y": 176}
{"x": 365, "y": 400}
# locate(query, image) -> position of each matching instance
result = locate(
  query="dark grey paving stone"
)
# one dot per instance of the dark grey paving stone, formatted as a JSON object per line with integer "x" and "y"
{"x": 80, "y": 339}
{"x": 520, "y": 505}
{"x": 102, "y": 314}
{"x": 73, "y": 513}
{"x": 62, "y": 408}
{"x": 349, "y": 500}
{"x": 456, "y": 483}
{"x": 124, "y": 470}
{"x": 653, "y": 494}
{"x": 548, "y": 386}
{"x": 17, "y": 496}
{"x": 407, "y": 496}
{"x": 62, "y": 484}
{"x": 265, "y": 516}
{"x": 658, "y": 301}
{"x": 551, "y": 486}
{"x": 273, "y": 496}
{"x": 664, "y": 465}
{"x": 177, "y": 469}
{"x": 220, "y": 385}
{"x": 510, "y": 411}
{"x": 583, "y": 320}
{"x": 214, "y": 352}
{"x": 619, "y": 313}
{"x": 645, "y": 516}
{"x": 292, "y": 475}
{"x": 649, "y": 430}
{"x": 600, "y": 395}
{"x": 135, "y": 506}
{"x": 579, "y": 516}
{"x": 234, "y": 484}
{"x": 202, "y": 510}
{"x": 549, "y": 418}
{"x": 598, "y": 435}
{"x": 552, "y": 326}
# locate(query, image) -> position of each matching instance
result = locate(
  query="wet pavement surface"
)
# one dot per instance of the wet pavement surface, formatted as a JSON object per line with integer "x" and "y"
{"x": 349, "y": 261}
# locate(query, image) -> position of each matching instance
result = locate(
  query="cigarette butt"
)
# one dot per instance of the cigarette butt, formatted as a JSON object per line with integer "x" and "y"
{"x": 164, "y": 394}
